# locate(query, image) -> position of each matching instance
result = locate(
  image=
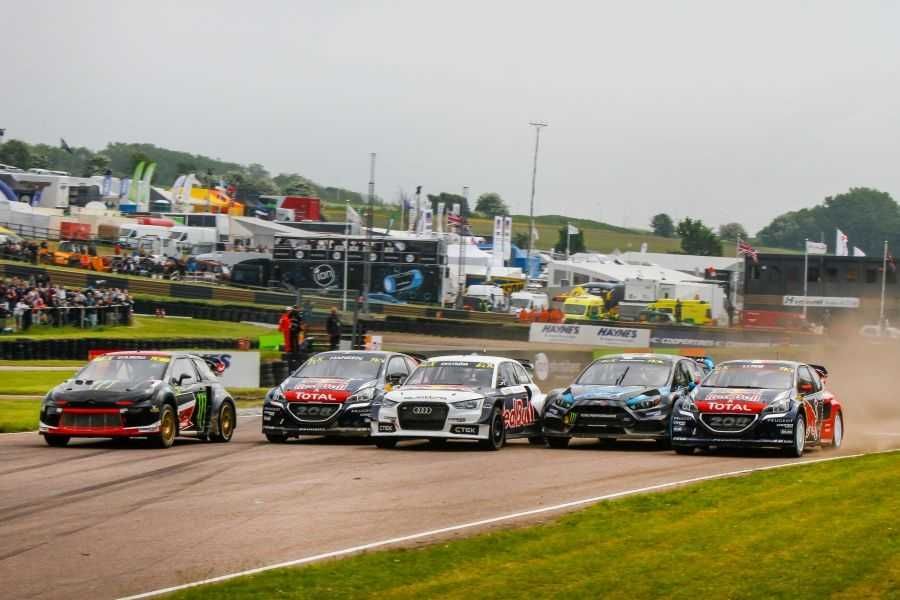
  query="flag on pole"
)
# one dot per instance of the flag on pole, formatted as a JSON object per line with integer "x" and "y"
{"x": 572, "y": 230}
{"x": 353, "y": 216}
{"x": 534, "y": 234}
{"x": 816, "y": 247}
{"x": 890, "y": 262}
{"x": 745, "y": 249}
{"x": 841, "y": 244}
{"x": 858, "y": 252}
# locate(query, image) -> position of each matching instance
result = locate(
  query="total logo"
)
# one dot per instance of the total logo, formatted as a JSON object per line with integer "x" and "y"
{"x": 315, "y": 397}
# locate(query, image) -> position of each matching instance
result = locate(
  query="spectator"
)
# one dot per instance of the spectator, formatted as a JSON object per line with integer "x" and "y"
{"x": 333, "y": 327}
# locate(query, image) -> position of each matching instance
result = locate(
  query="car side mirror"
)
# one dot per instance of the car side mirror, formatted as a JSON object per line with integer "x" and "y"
{"x": 805, "y": 388}
{"x": 501, "y": 383}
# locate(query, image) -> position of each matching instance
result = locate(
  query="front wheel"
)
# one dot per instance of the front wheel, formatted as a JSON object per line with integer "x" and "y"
{"x": 227, "y": 420}
{"x": 385, "y": 443}
{"x": 795, "y": 450}
{"x": 167, "y": 427}
{"x": 57, "y": 441}
{"x": 496, "y": 435}
{"x": 558, "y": 442}
{"x": 837, "y": 438}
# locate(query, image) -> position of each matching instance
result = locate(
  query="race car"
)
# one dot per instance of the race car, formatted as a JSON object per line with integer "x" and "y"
{"x": 140, "y": 394}
{"x": 620, "y": 396}
{"x": 761, "y": 403}
{"x": 480, "y": 398}
{"x": 333, "y": 394}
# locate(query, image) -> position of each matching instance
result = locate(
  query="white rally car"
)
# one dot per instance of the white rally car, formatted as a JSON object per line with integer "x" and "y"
{"x": 487, "y": 399}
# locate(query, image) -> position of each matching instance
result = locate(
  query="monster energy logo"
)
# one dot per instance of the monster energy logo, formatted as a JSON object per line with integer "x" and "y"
{"x": 201, "y": 400}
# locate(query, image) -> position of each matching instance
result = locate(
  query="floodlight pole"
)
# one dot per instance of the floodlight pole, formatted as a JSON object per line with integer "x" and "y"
{"x": 537, "y": 145}
{"x": 367, "y": 264}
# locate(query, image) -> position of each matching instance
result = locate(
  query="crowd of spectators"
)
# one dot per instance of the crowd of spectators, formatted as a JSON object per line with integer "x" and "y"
{"x": 15, "y": 249}
{"x": 36, "y": 301}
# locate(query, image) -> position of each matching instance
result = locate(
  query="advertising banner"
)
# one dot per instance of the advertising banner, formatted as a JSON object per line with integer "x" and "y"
{"x": 589, "y": 335}
{"x": 821, "y": 301}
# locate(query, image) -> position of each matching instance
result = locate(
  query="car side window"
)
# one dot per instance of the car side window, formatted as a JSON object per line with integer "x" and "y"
{"x": 397, "y": 366}
{"x": 681, "y": 377}
{"x": 816, "y": 380}
{"x": 506, "y": 375}
{"x": 803, "y": 376}
{"x": 522, "y": 373}
{"x": 203, "y": 369}
{"x": 411, "y": 364}
{"x": 181, "y": 367}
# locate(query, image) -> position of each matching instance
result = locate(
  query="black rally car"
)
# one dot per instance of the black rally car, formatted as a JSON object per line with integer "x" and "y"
{"x": 333, "y": 394}
{"x": 140, "y": 394}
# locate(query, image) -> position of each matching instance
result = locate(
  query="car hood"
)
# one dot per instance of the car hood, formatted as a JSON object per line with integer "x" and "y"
{"x": 735, "y": 400}
{"x": 434, "y": 393}
{"x": 98, "y": 391}
{"x": 615, "y": 393}
{"x": 321, "y": 389}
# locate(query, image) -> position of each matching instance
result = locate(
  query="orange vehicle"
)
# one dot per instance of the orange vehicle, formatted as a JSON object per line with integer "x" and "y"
{"x": 67, "y": 254}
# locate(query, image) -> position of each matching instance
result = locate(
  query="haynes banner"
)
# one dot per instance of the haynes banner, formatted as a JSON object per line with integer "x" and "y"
{"x": 589, "y": 335}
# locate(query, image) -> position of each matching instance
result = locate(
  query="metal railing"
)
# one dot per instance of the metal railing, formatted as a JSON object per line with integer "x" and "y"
{"x": 86, "y": 317}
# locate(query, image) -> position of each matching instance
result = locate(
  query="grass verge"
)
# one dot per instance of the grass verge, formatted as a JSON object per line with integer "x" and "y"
{"x": 19, "y": 415}
{"x": 27, "y": 383}
{"x": 824, "y": 530}
{"x": 152, "y": 328}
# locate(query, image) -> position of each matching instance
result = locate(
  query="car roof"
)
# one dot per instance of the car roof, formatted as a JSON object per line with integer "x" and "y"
{"x": 643, "y": 356}
{"x": 145, "y": 353}
{"x": 475, "y": 358}
{"x": 784, "y": 363}
{"x": 381, "y": 353}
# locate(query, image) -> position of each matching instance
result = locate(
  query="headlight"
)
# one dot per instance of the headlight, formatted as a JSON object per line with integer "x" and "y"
{"x": 363, "y": 395}
{"x": 779, "y": 405}
{"x": 389, "y": 403}
{"x": 275, "y": 397}
{"x": 645, "y": 403}
{"x": 468, "y": 404}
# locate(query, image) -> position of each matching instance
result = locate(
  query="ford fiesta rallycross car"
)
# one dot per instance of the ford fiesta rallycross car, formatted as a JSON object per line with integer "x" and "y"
{"x": 333, "y": 394}
{"x": 481, "y": 398}
{"x": 760, "y": 403}
{"x": 140, "y": 394}
{"x": 620, "y": 396}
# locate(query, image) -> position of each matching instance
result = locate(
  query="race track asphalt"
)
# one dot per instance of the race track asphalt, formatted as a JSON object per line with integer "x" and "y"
{"x": 100, "y": 519}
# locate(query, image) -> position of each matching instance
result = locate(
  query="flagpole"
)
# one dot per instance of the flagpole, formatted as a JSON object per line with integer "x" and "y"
{"x": 805, "y": 276}
{"x": 883, "y": 281}
{"x": 346, "y": 252}
{"x": 568, "y": 239}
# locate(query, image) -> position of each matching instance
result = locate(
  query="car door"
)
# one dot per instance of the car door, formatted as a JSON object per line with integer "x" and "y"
{"x": 205, "y": 393}
{"x": 518, "y": 413}
{"x": 185, "y": 382}
{"x": 812, "y": 401}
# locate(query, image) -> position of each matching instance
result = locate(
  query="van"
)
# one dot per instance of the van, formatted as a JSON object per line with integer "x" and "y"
{"x": 130, "y": 234}
{"x": 529, "y": 301}
{"x": 491, "y": 295}
{"x": 697, "y": 312}
{"x": 579, "y": 309}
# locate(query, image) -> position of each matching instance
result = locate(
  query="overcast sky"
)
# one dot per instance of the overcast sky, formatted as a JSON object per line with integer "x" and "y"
{"x": 722, "y": 110}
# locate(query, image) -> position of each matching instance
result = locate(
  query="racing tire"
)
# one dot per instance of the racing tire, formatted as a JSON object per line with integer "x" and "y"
{"x": 496, "y": 432}
{"x": 795, "y": 450}
{"x": 57, "y": 441}
{"x": 385, "y": 443}
{"x": 227, "y": 421}
{"x": 168, "y": 427}
{"x": 684, "y": 450}
{"x": 276, "y": 438}
{"x": 558, "y": 442}
{"x": 837, "y": 437}
{"x": 537, "y": 440}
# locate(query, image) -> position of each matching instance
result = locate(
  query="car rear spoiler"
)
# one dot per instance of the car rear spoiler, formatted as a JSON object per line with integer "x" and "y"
{"x": 416, "y": 356}
{"x": 701, "y": 360}
{"x": 215, "y": 362}
{"x": 525, "y": 363}
{"x": 822, "y": 371}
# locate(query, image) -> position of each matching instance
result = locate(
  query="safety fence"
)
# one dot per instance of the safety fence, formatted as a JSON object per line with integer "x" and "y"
{"x": 87, "y": 317}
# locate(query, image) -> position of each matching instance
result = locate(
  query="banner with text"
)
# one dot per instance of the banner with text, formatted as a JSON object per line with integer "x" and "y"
{"x": 589, "y": 335}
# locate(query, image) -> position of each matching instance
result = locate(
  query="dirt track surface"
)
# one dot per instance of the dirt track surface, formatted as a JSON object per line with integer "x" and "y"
{"x": 101, "y": 519}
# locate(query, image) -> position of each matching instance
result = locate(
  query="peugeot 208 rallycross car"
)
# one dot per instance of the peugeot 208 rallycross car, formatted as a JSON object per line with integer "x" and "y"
{"x": 762, "y": 403}
{"x": 333, "y": 394}
{"x": 140, "y": 394}
{"x": 480, "y": 398}
{"x": 620, "y": 396}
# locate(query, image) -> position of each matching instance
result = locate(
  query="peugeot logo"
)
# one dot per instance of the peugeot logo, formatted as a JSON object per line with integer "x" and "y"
{"x": 421, "y": 410}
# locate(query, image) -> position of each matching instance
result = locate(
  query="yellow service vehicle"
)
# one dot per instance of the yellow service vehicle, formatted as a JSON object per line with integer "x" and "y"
{"x": 697, "y": 312}
{"x": 578, "y": 309}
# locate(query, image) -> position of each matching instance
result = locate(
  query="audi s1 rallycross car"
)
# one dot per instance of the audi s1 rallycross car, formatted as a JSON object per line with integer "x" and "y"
{"x": 760, "y": 403}
{"x": 620, "y": 396}
{"x": 333, "y": 394}
{"x": 485, "y": 399}
{"x": 140, "y": 394}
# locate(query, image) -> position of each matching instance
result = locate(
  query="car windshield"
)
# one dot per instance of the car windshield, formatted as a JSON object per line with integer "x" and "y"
{"x": 469, "y": 374}
{"x": 751, "y": 375}
{"x": 342, "y": 366}
{"x": 574, "y": 309}
{"x": 133, "y": 369}
{"x": 520, "y": 302}
{"x": 626, "y": 372}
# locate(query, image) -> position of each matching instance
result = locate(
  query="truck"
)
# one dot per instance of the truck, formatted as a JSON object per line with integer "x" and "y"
{"x": 131, "y": 233}
{"x": 530, "y": 301}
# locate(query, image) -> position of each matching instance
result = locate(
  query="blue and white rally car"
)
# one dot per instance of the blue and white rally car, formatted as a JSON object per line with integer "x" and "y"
{"x": 621, "y": 396}
{"x": 486, "y": 399}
